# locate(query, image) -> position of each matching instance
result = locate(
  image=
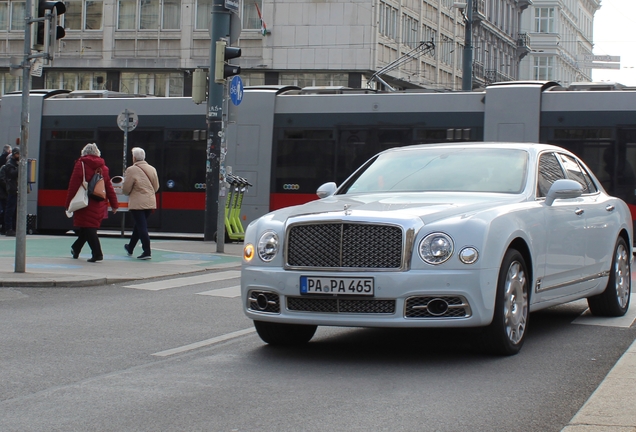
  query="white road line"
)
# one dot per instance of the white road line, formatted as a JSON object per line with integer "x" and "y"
{"x": 234, "y": 291}
{"x": 204, "y": 343}
{"x": 190, "y": 280}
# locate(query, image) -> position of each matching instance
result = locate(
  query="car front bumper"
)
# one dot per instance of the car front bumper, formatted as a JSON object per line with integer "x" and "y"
{"x": 465, "y": 298}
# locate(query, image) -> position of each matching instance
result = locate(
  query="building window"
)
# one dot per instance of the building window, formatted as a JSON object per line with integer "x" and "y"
{"x": 387, "y": 22}
{"x": 9, "y": 83}
{"x": 204, "y": 14}
{"x": 153, "y": 14}
{"x": 544, "y": 68}
{"x": 156, "y": 84}
{"x": 12, "y": 15}
{"x": 75, "y": 80}
{"x": 409, "y": 31}
{"x": 251, "y": 20}
{"x": 83, "y": 15}
{"x": 544, "y": 20}
{"x": 314, "y": 79}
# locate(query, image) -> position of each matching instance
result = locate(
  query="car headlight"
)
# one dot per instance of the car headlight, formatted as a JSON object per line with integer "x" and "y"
{"x": 436, "y": 248}
{"x": 268, "y": 246}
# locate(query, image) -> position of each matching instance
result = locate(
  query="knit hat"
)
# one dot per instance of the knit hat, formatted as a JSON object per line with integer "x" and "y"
{"x": 16, "y": 150}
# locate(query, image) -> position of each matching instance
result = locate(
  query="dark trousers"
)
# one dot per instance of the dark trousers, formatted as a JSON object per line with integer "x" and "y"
{"x": 3, "y": 206}
{"x": 140, "y": 231}
{"x": 9, "y": 212}
{"x": 88, "y": 235}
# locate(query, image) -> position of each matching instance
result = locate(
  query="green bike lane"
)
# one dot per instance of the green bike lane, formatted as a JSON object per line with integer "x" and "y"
{"x": 49, "y": 261}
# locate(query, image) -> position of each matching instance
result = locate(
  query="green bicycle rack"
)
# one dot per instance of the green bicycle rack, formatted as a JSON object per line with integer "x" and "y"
{"x": 233, "y": 227}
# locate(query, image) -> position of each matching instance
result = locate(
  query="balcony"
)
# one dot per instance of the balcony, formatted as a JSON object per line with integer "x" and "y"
{"x": 479, "y": 11}
{"x": 493, "y": 76}
{"x": 523, "y": 45}
{"x": 523, "y": 4}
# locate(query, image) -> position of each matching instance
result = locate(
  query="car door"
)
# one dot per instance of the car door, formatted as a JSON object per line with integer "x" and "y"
{"x": 601, "y": 221}
{"x": 565, "y": 224}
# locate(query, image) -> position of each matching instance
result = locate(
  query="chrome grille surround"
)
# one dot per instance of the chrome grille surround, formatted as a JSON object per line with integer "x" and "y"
{"x": 347, "y": 246}
{"x": 341, "y": 305}
{"x": 273, "y": 302}
{"x": 417, "y": 307}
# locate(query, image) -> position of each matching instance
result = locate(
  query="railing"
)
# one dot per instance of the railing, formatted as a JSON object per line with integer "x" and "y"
{"x": 493, "y": 76}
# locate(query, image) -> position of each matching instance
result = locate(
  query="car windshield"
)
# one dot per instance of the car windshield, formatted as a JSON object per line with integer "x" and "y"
{"x": 444, "y": 169}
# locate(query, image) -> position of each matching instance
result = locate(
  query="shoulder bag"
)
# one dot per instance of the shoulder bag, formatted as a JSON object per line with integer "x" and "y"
{"x": 97, "y": 187}
{"x": 80, "y": 200}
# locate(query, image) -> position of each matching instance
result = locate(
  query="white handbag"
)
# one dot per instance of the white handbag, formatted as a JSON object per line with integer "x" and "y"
{"x": 80, "y": 200}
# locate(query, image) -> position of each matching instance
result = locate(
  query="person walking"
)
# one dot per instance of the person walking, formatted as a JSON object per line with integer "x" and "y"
{"x": 140, "y": 184}
{"x": 6, "y": 151}
{"x": 9, "y": 176}
{"x": 89, "y": 219}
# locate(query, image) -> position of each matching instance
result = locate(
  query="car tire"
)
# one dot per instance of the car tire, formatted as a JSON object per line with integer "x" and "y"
{"x": 284, "y": 334}
{"x": 506, "y": 334}
{"x": 614, "y": 301}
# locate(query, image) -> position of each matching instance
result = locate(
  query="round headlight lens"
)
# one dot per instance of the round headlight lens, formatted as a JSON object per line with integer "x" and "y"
{"x": 468, "y": 255}
{"x": 436, "y": 248}
{"x": 268, "y": 246}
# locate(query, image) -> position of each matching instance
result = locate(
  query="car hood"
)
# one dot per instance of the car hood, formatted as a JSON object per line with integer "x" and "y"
{"x": 428, "y": 206}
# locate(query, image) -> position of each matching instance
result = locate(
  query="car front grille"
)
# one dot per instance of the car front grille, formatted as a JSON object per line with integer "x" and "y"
{"x": 345, "y": 245}
{"x": 455, "y": 307}
{"x": 336, "y": 305}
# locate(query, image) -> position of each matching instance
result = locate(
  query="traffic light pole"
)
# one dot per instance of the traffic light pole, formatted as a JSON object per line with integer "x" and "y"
{"x": 219, "y": 29}
{"x": 21, "y": 212}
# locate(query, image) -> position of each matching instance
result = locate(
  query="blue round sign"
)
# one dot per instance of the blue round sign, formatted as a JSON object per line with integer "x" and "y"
{"x": 236, "y": 90}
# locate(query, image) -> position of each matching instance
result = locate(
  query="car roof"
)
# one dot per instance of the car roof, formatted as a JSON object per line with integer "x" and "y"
{"x": 533, "y": 148}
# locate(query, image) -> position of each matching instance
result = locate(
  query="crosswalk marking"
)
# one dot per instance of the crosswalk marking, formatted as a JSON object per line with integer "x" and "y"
{"x": 184, "y": 281}
{"x": 233, "y": 291}
{"x": 205, "y": 343}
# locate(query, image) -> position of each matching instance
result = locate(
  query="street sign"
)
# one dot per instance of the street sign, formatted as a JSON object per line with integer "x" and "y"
{"x": 599, "y": 65}
{"x": 236, "y": 90}
{"x": 127, "y": 121}
{"x": 232, "y": 5}
{"x": 600, "y": 58}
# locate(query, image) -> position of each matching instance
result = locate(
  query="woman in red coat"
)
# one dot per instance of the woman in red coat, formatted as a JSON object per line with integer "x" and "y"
{"x": 88, "y": 219}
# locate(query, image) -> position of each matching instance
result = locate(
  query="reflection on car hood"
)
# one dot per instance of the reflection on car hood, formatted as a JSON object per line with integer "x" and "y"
{"x": 429, "y": 206}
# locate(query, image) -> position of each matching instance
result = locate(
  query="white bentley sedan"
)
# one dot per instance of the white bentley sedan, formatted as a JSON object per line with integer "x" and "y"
{"x": 445, "y": 235}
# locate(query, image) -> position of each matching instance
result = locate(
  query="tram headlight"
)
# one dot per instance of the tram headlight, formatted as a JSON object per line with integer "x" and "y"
{"x": 268, "y": 246}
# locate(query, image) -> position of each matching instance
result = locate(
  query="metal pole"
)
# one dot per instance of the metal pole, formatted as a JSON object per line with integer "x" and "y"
{"x": 220, "y": 223}
{"x": 21, "y": 213}
{"x": 467, "y": 67}
{"x": 123, "y": 169}
{"x": 219, "y": 28}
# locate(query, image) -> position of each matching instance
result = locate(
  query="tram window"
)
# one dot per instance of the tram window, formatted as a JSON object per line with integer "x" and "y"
{"x": 305, "y": 162}
{"x": 575, "y": 173}
{"x": 356, "y": 146}
{"x": 58, "y": 159}
{"x": 549, "y": 172}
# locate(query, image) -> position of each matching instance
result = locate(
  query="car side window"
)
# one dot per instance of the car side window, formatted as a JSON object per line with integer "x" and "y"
{"x": 575, "y": 172}
{"x": 549, "y": 172}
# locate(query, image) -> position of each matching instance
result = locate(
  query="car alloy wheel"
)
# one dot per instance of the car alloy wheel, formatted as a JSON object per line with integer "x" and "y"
{"x": 515, "y": 302}
{"x": 614, "y": 301}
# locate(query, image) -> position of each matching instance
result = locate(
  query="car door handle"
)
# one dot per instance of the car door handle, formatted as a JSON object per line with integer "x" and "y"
{"x": 610, "y": 208}
{"x": 579, "y": 211}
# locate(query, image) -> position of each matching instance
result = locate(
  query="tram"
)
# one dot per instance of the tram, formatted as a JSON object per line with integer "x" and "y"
{"x": 287, "y": 141}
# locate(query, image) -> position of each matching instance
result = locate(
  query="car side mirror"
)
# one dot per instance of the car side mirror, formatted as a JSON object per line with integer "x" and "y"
{"x": 326, "y": 190}
{"x": 563, "y": 189}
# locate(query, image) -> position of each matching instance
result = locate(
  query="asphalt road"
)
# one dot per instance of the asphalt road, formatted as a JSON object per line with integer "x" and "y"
{"x": 111, "y": 358}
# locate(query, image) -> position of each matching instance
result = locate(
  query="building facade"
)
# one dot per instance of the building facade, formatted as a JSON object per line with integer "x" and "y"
{"x": 153, "y": 46}
{"x": 562, "y": 35}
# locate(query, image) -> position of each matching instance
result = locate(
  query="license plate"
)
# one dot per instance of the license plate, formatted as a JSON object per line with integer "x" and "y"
{"x": 336, "y": 285}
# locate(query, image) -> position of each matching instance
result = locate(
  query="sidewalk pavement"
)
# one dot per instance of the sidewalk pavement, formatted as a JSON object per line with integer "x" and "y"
{"x": 49, "y": 262}
{"x": 611, "y": 408}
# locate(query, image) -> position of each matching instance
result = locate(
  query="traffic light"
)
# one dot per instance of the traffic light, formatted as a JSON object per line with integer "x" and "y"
{"x": 48, "y": 30}
{"x": 223, "y": 70}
